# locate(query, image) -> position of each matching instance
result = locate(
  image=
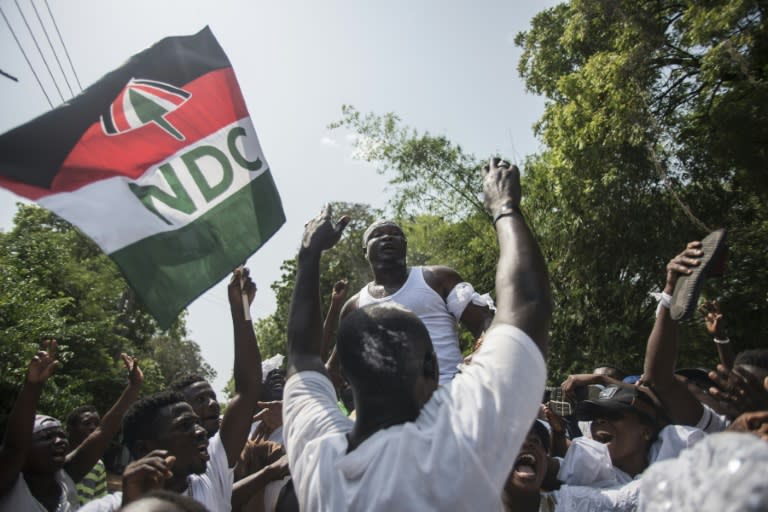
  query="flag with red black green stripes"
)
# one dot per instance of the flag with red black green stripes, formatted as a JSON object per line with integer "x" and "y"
{"x": 159, "y": 164}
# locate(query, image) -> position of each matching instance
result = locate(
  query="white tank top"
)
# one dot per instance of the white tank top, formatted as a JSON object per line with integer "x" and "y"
{"x": 429, "y": 306}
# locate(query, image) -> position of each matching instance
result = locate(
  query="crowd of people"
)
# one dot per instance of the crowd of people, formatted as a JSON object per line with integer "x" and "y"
{"x": 378, "y": 410}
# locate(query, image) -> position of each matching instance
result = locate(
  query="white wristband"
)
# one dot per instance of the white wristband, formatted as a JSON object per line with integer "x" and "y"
{"x": 721, "y": 342}
{"x": 665, "y": 300}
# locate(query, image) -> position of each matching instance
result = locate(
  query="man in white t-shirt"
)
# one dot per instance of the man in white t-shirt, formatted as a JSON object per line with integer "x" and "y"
{"x": 415, "y": 446}
{"x": 171, "y": 450}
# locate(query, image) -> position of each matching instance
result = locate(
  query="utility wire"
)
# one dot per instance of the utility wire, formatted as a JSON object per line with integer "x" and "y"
{"x": 25, "y": 57}
{"x": 8, "y": 75}
{"x": 55, "y": 55}
{"x": 39, "y": 50}
{"x": 66, "y": 52}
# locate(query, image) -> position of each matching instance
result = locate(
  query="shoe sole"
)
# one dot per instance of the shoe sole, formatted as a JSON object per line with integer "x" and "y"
{"x": 687, "y": 289}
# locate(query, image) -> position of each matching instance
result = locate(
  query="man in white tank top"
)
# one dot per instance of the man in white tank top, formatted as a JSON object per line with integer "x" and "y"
{"x": 436, "y": 294}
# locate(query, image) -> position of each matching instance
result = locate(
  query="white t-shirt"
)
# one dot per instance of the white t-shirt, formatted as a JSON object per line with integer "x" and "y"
{"x": 213, "y": 488}
{"x": 711, "y": 422}
{"x": 455, "y": 456}
{"x": 276, "y": 436}
{"x": 19, "y": 498}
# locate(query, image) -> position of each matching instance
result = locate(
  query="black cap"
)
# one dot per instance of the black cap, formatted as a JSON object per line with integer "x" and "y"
{"x": 615, "y": 400}
{"x": 540, "y": 429}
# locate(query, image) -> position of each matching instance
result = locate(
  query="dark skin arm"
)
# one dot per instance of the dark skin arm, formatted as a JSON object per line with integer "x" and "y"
{"x": 522, "y": 283}
{"x": 338, "y": 296}
{"x": 443, "y": 280}
{"x": 332, "y": 365}
{"x": 579, "y": 380}
{"x": 236, "y": 423}
{"x": 18, "y": 433}
{"x": 304, "y": 318}
{"x": 560, "y": 442}
{"x": 715, "y": 324}
{"x": 244, "y": 489}
{"x": 661, "y": 352}
{"x": 82, "y": 459}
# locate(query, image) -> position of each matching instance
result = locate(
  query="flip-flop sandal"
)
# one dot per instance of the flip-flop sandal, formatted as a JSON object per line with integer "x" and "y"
{"x": 687, "y": 289}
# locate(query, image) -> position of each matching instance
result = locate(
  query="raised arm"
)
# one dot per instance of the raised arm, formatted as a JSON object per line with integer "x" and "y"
{"x": 522, "y": 284}
{"x": 661, "y": 352}
{"x": 18, "y": 433}
{"x": 87, "y": 454}
{"x": 304, "y": 318}
{"x": 236, "y": 424}
{"x": 338, "y": 296}
{"x": 246, "y": 488}
{"x": 715, "y": 324}
{"x": 445, "y": 280}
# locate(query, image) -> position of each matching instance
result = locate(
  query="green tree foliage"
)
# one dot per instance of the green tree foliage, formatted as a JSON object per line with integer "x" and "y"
{"x": 654, "y": 133}
{"x": 56, "y": 283}
{"x": 655, "y": 127}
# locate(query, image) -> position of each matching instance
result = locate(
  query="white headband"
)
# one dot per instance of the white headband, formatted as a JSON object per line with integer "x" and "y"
{"x": 43, "y": 422}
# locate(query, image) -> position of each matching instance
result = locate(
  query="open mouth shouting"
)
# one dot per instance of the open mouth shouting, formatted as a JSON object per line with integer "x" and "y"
{"x": 602, "y": 435}
{"x": 59, "y": 456}
{"x": 526, "y": 466}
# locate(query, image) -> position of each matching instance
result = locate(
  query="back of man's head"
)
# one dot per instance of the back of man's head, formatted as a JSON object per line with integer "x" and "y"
{"x": 184, "y": 381}
{"x": 384, "y": 349}
{"x": 139, "y": 421}
{"x": 161, "y": 500}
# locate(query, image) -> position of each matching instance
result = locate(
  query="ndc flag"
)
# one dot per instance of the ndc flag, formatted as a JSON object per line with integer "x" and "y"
{"x": 159, "y": 164}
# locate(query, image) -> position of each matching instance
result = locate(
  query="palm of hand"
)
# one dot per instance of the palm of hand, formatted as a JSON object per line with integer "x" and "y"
{"x": 321, "y": 233}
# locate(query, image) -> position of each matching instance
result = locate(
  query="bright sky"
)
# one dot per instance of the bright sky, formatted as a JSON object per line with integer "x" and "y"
{"x": 444, "y": 66}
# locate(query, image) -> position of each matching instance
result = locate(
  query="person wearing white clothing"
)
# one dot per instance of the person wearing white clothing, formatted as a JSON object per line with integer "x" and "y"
{"x": 170, "y": 447}
{"x": 414, "y": 446}
{"x": 436, "y": 294}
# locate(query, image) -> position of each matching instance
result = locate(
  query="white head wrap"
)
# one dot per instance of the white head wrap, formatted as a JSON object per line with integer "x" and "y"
{"x": 270, "y": 364}
{"x": 43, "y": 422}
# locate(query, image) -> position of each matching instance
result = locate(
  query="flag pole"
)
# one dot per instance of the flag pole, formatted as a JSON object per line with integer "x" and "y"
{"x": 246, "y": 304}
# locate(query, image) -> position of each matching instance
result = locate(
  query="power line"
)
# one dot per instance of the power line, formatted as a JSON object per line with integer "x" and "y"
{"x": 25, "y": 57}
{"x": 8, "y": 75}
{"x": 55, "y": 55}
{"x": 66, "y": 52}
{"x": 39, "y": 50}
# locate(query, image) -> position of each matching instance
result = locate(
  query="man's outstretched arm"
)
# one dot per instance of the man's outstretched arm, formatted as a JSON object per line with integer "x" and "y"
{"x": 338, "y": 296}
{"x": 304, "y": 318}
{"x": 18, "y": 432}
{"x": 661, "y": 351}
{"x": 236, "y": 423}
{"x": 522, "y": 284}
{"x": 82, "y": 459}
